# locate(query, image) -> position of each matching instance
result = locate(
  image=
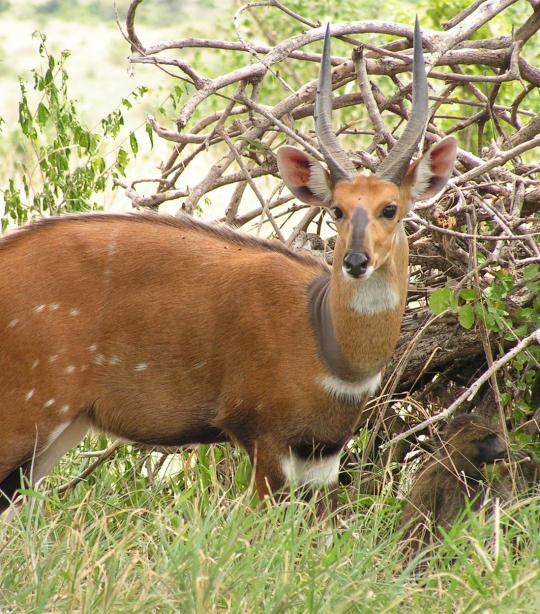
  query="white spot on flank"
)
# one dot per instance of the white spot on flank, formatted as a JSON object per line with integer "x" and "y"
{"x": 92, "y": 348}
{"x": 375, "y": 295}
{"x": 49, "y": 403}
{"x": 53, "y": 358}
{"x": 64, "y": 409}
{"x": 54, "y": 306}
{"x": 39, "y": 308}
{"x": 352, "y": 392}
{"x": 35, "y": 364}
{"x": 70, "y": 369}
{"x": 317, "y": 471}
{"x": 75, "y": 312}
{"x": 115, "y": 360}
{"x": 99, "y": 359}
{"x": 13, "y": 323}
{"x": 30, "y": 394}
{"x": 141, "y": 366}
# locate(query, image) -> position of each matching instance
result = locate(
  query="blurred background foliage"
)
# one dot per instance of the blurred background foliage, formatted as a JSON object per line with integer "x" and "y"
{"x": 96, "y": 80}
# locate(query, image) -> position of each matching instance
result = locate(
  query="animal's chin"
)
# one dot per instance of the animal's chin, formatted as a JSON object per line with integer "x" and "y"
{"x": 363, "y": 277}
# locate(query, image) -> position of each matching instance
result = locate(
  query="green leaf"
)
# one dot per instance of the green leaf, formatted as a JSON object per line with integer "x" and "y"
{"x": 133, "y": 143}
{"x": 468, "y": 294}
{"x": 531, "y": 272}
{"x": 150, "y": 134}
{"x": 84, "y": 139}
{"x": 43, "y": 114}
{"x": 441, "y": 300}
{"x": 466, "y": 316}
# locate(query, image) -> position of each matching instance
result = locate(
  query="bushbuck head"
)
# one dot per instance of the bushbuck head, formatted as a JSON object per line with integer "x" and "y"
{"x": 368, "y": 209}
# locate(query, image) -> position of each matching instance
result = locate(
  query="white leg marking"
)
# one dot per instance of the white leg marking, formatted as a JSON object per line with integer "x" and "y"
{"x": 61, "y": 440}
{"x": 317, "y": 471}
{"x": 54, "y": 435}
{"x": 351, "y": 391}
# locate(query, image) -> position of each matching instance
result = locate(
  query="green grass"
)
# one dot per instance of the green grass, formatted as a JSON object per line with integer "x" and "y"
{"x": 199, "y": 542}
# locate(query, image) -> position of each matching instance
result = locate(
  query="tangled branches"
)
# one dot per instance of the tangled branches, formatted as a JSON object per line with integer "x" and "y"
{"x": 474, "y": 251}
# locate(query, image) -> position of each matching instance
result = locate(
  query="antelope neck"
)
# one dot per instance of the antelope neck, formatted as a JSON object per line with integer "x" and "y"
{"x": 323, "y": 293}
{"x": 323, "y": 327}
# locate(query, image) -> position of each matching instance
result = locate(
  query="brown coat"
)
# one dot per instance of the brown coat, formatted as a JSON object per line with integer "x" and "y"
{"x": 165, "y": 331}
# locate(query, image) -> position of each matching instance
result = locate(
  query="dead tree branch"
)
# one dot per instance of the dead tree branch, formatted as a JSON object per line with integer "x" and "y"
{"x": 244, "y": 99}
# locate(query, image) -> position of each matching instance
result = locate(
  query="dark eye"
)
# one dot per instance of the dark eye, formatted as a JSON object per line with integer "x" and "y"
{"x": 337, "y": 213}
{"x": 389, "y": 212}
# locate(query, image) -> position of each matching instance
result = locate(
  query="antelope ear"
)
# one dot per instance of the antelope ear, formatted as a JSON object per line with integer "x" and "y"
{"x": 304, "y": 176}
{"x": 430, "y": 173}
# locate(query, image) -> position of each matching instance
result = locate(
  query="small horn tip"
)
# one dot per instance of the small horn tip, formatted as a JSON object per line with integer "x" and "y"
{"x": 327, "y": 40}
{"x": 417, "y": 32}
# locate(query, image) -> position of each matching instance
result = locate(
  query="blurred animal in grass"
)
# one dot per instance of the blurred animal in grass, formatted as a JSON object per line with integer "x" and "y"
{"x": 453, "y": 476}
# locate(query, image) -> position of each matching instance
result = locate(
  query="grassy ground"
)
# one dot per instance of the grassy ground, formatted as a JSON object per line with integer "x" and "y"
{"x": 198, "y": 542}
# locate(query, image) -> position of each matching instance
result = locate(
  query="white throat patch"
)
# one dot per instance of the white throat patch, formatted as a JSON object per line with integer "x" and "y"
{"x": 351, "y": 392}
{"x": 375, "y": 295}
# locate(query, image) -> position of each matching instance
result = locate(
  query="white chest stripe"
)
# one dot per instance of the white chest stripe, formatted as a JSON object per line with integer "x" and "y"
{"x": 351, "y": 391}
{"x": 317, "y": 472}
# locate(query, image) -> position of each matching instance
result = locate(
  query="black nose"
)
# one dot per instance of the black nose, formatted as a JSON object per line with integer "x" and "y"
{"x": 356, "y": 264}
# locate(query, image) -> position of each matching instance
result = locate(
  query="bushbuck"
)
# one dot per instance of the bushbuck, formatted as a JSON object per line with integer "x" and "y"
{"x": 451, "y": 477}
{"x": 168, "y": 331}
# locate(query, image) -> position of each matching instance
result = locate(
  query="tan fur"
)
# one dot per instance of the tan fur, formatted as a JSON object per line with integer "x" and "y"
{"x": 154, "y": 330}
{"x": 168, "y": 332}
{"x": 371, "y": 349}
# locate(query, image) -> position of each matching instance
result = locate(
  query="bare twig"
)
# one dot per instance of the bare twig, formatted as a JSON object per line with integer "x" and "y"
{"x": 102, "y": 457}
{"x": 471, "y": 391}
